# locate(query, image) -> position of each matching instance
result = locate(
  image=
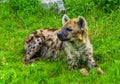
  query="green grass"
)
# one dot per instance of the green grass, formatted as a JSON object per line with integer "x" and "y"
{"x": 15, "y": 26}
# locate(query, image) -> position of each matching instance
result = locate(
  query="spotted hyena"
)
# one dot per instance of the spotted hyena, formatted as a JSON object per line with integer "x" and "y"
{"x": 72, "y": 38}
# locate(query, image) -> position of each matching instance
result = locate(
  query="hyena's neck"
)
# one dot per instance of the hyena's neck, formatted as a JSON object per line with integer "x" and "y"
{"x": 76, "y": 42}
{"x": 80, "y": 45}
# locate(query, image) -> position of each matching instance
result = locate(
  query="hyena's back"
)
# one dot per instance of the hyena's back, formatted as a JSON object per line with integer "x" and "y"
{"x": 42, "y": 42}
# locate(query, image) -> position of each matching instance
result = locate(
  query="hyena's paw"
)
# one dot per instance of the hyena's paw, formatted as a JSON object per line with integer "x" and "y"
{"x": 84, "y": 71}
{"x": 100, "y": 71}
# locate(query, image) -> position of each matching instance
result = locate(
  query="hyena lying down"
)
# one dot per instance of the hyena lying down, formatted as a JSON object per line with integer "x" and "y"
{"x": 72, "y": 39}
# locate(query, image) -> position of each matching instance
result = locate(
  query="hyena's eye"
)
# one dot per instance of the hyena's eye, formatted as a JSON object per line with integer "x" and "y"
{"x": 69, "y": 29}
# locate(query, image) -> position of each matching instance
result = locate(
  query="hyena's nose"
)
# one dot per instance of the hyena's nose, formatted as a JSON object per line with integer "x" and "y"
{"x": 59, "y": 35}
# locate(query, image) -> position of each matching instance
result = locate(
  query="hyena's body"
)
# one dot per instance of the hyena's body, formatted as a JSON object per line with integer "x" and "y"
{"x": 72, "y": 39}
{"x": 43, "y": 43}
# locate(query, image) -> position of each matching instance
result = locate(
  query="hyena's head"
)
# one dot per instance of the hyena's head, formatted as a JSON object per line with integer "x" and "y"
{"x": 73, "y": 29}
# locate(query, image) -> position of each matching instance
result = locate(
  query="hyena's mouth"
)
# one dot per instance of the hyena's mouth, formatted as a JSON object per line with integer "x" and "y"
{"x": 62, "y": 37}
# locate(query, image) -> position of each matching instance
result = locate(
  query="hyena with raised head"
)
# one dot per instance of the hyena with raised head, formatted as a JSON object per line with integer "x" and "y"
{"x": 72, "y": 38}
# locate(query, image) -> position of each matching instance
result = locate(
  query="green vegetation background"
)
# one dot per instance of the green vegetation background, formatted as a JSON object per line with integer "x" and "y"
{"x": 18, "y": 18}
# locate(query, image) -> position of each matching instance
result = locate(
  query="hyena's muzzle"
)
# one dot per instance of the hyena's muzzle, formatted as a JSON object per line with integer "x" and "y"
{"x": 63, "y": 35}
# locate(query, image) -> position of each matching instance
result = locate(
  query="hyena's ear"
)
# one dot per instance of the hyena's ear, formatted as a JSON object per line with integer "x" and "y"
{"x": 83, "y": 27}
{"x": 82, "y": 23}
{"x": 65, "y": 18}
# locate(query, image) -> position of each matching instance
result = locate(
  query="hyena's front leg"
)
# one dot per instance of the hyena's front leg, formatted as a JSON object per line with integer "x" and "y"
{"x": 88, "y": 57}
{"x": 92, "y": 64}
{"x": 72, "y": 56}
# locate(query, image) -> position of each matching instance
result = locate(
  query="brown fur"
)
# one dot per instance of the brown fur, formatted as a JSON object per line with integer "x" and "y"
{"x": 72, "y": 38}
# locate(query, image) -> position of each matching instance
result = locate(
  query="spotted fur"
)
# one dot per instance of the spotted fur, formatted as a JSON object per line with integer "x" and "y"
{"x": 42, "y": 43}
{"x": 72, "y": 38}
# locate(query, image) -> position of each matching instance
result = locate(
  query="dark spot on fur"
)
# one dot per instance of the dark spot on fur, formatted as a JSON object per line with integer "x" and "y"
{"x": 35, "y": 32}
{"x": 28, "y": 52}
{"x": 52, "y": 30}
{"x": 89, "y": 59}
{"x": 96, "y": 65}
{"x": 72, "y": 42}
{"x": 90, "y": 53}
{"x": 75, "y": 66}
{"x": 34, "y": 43}
{"x": 37, "y": 36}
{"x": 40, "y": 43}
{"x": 30, "y": 39}
{"x": 33, "y": 47}
{"x": 29, "y": 45}
{"x": 49, "y": 36}
{"x": 55, "y": 47}
{"x": 49, "y": 39}
{"x": 42, "y": 36}
{"x": 61, "y": 45}
{"x": 38, "y": 40}
{"x": 41, "y": 31}
{"x": 69, "y": 59}
{"x": 87, "y": 55}
{"x": 52, "y": 43}
{"x": 82, "y": 32}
